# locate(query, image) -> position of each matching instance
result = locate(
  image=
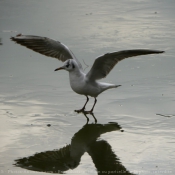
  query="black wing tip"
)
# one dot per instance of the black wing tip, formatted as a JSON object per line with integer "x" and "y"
{"x": 15, "y": 38}
{"x": 159, "y": 51}
{"x": 149, "y": 51}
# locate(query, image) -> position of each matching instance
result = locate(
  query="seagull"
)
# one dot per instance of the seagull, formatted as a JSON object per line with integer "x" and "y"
{"x": 80, "y": 82}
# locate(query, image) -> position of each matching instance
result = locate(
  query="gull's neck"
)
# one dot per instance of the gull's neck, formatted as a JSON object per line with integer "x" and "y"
{"x": 76, "y": 76}
{"x": 77, "y": 80}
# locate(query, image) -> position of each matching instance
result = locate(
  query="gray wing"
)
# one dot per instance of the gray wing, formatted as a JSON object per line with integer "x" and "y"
{"x": 105, "y": 63}
{"x": 46, "y": 46}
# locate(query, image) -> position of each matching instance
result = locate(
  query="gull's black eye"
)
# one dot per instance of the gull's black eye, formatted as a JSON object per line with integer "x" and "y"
{"x": 68, "y": 63}
{"x": 73, "y": 65}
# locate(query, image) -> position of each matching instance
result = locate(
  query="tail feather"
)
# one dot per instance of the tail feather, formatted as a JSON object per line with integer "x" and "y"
{"x": 105, "y": 86}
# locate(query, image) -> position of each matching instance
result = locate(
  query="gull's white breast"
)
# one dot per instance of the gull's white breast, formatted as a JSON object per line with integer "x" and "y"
{"x": 81, "y": 85}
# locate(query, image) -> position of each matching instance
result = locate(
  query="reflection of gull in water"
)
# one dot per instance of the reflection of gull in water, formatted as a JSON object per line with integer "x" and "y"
{"x": 69, "y": 157}
{"x": 81, "y": 83}
{"x": 88, "y": 118}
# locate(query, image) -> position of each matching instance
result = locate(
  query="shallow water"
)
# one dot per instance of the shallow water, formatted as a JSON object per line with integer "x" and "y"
{"x": 37, "y": 104}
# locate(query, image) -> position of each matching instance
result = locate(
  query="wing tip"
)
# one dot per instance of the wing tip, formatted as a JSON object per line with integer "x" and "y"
{"x": 117, "y": 86}
{"x": 160, "y": 51}
{"x": 15, "y": 38}
{"x": 147, "y": 51}
{"x": 12, "y": 38}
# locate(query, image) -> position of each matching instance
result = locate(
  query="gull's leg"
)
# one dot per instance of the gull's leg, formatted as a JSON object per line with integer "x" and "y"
{"x": 82, "y": 110}
{"x": 86, "y": 118}
{"x": 91, "y": 111}
{"x": 94, "y": 117}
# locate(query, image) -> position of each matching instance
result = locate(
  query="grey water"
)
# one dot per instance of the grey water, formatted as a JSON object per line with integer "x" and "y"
{"x": 37, "y": 104}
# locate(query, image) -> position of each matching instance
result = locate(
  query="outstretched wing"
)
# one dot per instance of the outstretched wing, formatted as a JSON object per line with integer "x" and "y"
{"x": 105, "y": 63}
{"x": 105, "y": 160}
{"x": 46, "y": 46}
{"x": 49, "y": 161}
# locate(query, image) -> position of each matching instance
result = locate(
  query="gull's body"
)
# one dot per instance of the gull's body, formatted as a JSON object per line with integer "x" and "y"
{"x": 86, "y": 87}
{"x": 81, "y": 83}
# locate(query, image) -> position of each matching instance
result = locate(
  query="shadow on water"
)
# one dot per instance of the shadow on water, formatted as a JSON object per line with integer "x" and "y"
{"x": 69, "y": 157}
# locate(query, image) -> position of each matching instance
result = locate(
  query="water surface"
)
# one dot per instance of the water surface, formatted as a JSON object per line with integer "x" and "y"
{"x": 37, "y": 104}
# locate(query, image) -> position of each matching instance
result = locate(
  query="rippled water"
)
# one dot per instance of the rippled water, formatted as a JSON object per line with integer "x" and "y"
{"x": 37, "y": 104}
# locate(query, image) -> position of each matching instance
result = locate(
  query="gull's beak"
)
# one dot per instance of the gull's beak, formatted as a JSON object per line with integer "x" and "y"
{"x": 60, "y": 68}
